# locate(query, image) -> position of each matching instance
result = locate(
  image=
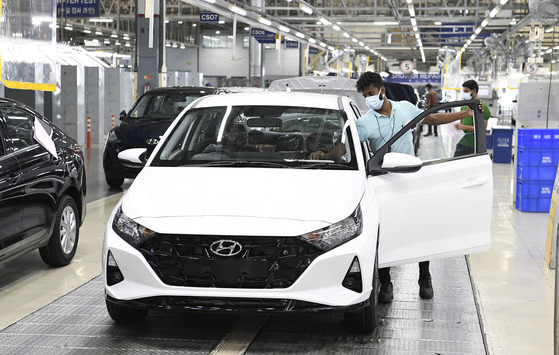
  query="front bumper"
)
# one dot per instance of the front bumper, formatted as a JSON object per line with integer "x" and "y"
{"x": 318, "y": 288}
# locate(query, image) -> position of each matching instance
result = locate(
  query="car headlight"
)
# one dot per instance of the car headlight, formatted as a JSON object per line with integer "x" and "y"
{"x": 129, "y": 230}
{"x": 338, "y": 233}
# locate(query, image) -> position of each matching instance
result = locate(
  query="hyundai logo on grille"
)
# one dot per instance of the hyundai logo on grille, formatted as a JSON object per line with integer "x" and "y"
{"x": 226, "y": 247}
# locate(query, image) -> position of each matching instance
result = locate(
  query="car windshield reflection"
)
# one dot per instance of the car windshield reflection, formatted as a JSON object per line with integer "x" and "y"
{"x": 280, "y": 136}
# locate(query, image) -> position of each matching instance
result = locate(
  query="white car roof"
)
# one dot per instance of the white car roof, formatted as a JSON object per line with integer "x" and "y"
{"x": 300, "y": 99}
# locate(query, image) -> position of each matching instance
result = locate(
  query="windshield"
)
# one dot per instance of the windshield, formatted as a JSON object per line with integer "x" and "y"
{"x": 163, "y": 105}
{"x": 271, "y": 136}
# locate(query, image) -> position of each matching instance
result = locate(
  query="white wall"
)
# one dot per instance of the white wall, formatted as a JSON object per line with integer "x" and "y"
{"x": 216, "y": 62}
{"x": 288, "y": 66}
{"x": 182, "y": 59}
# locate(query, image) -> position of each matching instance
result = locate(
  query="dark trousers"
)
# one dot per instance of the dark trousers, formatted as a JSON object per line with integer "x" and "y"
{"x": 384, "y": 273}
{"x": 432, "y": 130}
{"x": 463, "y": 150}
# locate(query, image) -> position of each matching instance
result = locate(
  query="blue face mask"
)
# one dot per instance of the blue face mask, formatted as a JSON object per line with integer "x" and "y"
{"x": 467, "y": 95}
{"x": 374, "y": 102}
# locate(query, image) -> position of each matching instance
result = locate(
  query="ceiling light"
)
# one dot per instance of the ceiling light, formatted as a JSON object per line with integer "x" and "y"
{"x": 417, "y": 35}
{"x": 69, "y": 28}
{"x": 354, "y": 40}
{"x": 264, "y": 21}
{"x": 98, "y": 33}
{"x": 372, "y": 51}
{"x": 438, "y": 23}
{"x": 101, "y": 19}
{"x": 299, "y": 34}
{"x": 166, "y": 21}
{"x": 494, "y": 12}
{"x": 322, "y": 44}
{"x": 324, "y": 21}
{"x": 194, "y": 25}
{"x": 305, "y": 8}
{"x": 237, "y": 10}
{"x": 183, "y": 46}
{"x": 484, "y": 23}
{"x": 469, "y": 42}
{"x": 549, "y": 50}
{"x": 513, "y": 21}
{"x": 217, "y": 32}
{"x": 246, "y": 28}
{"x": 346, "y": 35}
{"x": 385, "y": 23}
{"x": 283, "y": 28}
{"x": 127, "y": 44}
{"x": 504, "y": 2}
{"x": 472, "y": 37}
{"x": 331, "y": 48}
{"x": 312, "y": 40}
{"x": 409, "y": 1}
{"x": 180, "y": 22}
{"x": 549, "y": 29}
{"x": 411, "y": 10}
{"x": 107, "y": 41}
{"x": 336, "y": 27}
{"x": 221, "y": 22}
{"x": 415, "y": 29}
{"x": 362, "y": 44}
{"x": 368, "y": 48}
{"x": 477, "y": 31}
{"x": 86, "y": 31}
{"x": 114, "y": 35}
{"x": 413, "y": 21}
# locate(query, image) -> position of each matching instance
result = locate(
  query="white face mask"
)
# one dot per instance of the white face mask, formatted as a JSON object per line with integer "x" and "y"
{"x": 467, "y": 95}
{"x": 374, "y": 102}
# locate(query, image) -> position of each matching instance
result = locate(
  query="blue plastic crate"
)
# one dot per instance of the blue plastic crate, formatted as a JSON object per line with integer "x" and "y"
{"x": 538, "y": 156}
{"x": 538, "y": 138}
{"x": 536, "y": 172}
{"x": 534, "y": 188}
{"x": 533, "y": 204}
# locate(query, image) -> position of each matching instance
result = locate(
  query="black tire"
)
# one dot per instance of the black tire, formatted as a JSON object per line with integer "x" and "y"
{"x": 122, "y": 314}
{"x": 114, "y": 182}
{"x": 64, "y": 239}
{"x": 365, "y": 320}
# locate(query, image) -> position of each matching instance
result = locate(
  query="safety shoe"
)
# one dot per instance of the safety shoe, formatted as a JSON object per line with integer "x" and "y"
{"x": 425, "y": 287}
{"x": 428, "y": 134}
{"x": 386, "y": 294}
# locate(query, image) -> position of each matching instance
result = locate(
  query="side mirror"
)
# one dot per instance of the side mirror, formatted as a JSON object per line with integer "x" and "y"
{"x": 398, "y": 163}
{"x": 122, "y": 115}
{"x": 133, "y": 158}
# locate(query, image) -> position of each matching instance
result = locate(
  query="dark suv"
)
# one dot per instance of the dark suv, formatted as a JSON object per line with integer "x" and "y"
{"x": 42, "y": 186}
{"x": 142, "y": 127}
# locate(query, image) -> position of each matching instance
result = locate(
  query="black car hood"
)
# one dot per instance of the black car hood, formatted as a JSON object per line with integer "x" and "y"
{"x": 134, "y": 132}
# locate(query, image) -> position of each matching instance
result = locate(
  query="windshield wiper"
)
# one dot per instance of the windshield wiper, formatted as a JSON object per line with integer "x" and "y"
{"x": 266, "y": 164}
{"x": 323, "y": 165}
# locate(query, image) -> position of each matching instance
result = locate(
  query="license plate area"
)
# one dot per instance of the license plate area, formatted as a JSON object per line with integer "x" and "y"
{"x": 227, "y": 270}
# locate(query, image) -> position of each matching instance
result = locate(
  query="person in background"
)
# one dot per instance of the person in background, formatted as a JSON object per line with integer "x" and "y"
{"x": 465, "y": 146}
{"x": 431, "y": 100}
{"x": 378, "y": 125}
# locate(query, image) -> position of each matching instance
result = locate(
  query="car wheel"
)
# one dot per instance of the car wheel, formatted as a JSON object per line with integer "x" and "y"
{"x": 64, "y": 239}
{"x": 122, "y": 314}
{"x": 365, "y": 320}
{"x": 114, "y": 182}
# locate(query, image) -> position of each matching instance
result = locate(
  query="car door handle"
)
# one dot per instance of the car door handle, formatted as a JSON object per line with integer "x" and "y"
{"x": 475, "y": 182}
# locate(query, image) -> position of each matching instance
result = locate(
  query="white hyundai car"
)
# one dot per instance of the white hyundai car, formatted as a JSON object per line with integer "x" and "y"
{"x": 231, "y": 214}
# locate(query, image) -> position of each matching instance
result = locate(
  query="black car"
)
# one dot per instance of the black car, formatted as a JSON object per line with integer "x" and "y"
{"x": 42, "y": 186}
{"x": 142, "y": 127}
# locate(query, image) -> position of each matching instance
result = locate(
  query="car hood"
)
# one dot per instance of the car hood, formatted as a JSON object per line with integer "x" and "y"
{"x": 135, "y": 131}
{"x": 242, "y": 200}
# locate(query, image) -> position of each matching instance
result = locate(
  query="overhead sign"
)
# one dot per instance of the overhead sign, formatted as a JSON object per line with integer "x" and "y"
{"x": 291, "y": 44}
{"x": 209, "y": 17}
{"x": 406, "y": 66}
{"x": 77, "y": 8}
{"x": 263, "y": 36}
{"x": 420, "y": 78}
{"x": 313, "y": 50}
{"x": 453, "y": 34}
{"x": 531, "y": 68}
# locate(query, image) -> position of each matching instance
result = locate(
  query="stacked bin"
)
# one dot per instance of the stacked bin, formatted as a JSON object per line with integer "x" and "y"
{"x": 537, "y": 160}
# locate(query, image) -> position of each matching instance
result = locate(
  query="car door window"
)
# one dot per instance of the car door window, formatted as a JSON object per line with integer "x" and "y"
{"x": 20, "y": 127}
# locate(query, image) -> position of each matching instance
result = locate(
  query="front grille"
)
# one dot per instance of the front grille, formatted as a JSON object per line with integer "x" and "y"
{"x": 263, "y": 262}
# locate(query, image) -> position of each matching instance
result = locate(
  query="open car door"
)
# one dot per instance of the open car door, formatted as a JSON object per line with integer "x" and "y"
{"x": 433, "y": 209}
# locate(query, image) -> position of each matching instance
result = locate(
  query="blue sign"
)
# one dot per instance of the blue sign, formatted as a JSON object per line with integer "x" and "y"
{"x": 420, "y": 78}
{"x": 291, "y": 44}
{"x": 263, "y": 36}
{"x": 313, "y": 50}
{"x": 452, "y": 34}
{"x": 77, "y": 8}
{"x": 209, "y": 17}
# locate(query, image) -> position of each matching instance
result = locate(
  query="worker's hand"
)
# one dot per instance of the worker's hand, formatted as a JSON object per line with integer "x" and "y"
{"x": 318, "y": 155}
{"x": 459, "y": 126}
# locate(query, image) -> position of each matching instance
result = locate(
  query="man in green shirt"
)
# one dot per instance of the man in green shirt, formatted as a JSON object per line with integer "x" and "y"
{"x": 465, "y": 146}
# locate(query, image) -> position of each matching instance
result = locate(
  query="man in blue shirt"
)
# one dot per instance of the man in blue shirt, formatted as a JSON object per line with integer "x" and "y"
{"x": 386, "y": 118}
